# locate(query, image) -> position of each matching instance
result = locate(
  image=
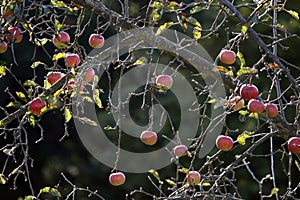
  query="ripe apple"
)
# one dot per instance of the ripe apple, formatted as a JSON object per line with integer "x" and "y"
{"x": 72, "y": 84}
{"x": 96, "y": 41}
{"x": 236, "y": 103}
{"x": 36, "y": 105}
{"x": 193, "y": 178}
{"x": 89, "y": 75}
{"x": 61, "y": 40}
{"x": 272, "y": 109}
{"x": 294, "y": 145}
{"x": 255, "y": 105}
{"x": 148, "y": 137}
{"x": 224, "y": 143}
{"x": 52, "y": 77}
{"x": 248, "y": 91}
{"x": 180, "y": 150}
{"x": 15, "y": 35}
{"x": 227, "y": 56}
{"x": 72, "y": 59}
{"x": 117, "y": 178}
{"x": 3, "y": 46}
{"x": 164, "y": 81}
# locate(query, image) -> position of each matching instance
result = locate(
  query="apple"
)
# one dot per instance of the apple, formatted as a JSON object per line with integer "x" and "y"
{"x": 52, "y": 77}
{"x": 224, "y": 143}
{"x": 180, "y": 150}
{"x": 96, "y": 41}
{"x": 236, "y": 103}
{"x": 227, "y": 56}
{"x": 72, "y": 84}
{"x": 15, "y": 35}
{"x": 193, "y": 178}
{"x": 164, "y": 81}
{"x": 294, "y": 145}
{"x": 72, "y": 59}
{"x": 89, "y": 75}
{"x": 271, "y": 109}
{"x": 8, "y": 12}
{"x": 148, "y": 137}
{"x": 61, "y": 40}
{"x": 36, "y": 105}
{"x": 255, "y": 105}
{"x": 248, "y": 91}
{"x": 117, "y": 178}
{"x": 3, "y": 46}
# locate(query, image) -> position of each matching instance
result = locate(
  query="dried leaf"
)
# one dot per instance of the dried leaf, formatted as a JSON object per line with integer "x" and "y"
{"x": 68, "y": 115}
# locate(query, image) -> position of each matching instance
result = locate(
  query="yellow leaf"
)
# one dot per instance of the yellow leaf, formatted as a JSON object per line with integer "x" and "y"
{"x": 37, "y": 63}
{"x": 244, "y": 29}
{"x": 22, "y": 96}
{"x": 170, "y": 182}
{"x": 242, "y": 137}
{"x": 58, "y": 56}
{"x": 212, "y": 101}
{"x": 220, "y": 68}
{"x": 254, "y": 115}
{"x": 197, "y": 33}
{"x": 206, "y": 184}
{"x": 154, "y": 173}
{"x": 243, "y": 112}
{"x": 184, "y": 170}
{"x": 97, "y": 98}
{"x": 68, "y": 115}
{"x": 293, "y": 13}
{"x": 2, "y": 179}
{"x": 40, "y": 42}
{"x": 141, "y": 61}
{"x": 274, "y": 191}
{"x": 2, "y": 71}
{"x": 246, "y": 70}
{"x": 163, "y": 27}
{"x": 241, "y": 57}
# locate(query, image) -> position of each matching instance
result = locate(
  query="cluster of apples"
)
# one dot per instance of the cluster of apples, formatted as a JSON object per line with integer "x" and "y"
{"x": 249, "y": 92}
{"x": 14, "y": 35}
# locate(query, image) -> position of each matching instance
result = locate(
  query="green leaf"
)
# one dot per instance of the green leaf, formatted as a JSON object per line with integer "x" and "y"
{"x": 2, "y": 179}
{"x": 97, "y": 98}
{"x": 87, "y": 121}
{"x": 2, "y": 71}
{"x": 22, "y": 96}
{"x": 58, "y": 25}
{"x": 58, "y": 56}
{"x": 163, "y": 27}
{"x": 274, "y": 191}
{"x": 293, "y": 13}
{"x": 14, "y": 104}
{"x": 52, "y": 191}
{"x": 68, "y": 115}
{"x": 37, "y": 63}
{"x": 30, "y": 83}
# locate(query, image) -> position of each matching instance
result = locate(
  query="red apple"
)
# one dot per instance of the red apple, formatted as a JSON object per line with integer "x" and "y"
{"x": 72, "y": 59}
{"x": 227, "y": 56}
{"x": 89, "y": 75}
{"x": 61, "y": 40}
{"x": 72, "y": 84}
{"x": 52, "y": 77}
{"x": 236, "y": 103}
{"x": 255, "y": 105}
{"x": 148, "y": 137}
{"x": 36, "y": 105}
{"x": 117, "y": 179}
{"x": 193, "y": 178}
{"x": 96, "y": 41}
{"x": 164, "y": 81}
{"x": 3, "y": 46}
{"x": 271, "y": 109}
{"x": 294, "y": 145}
{"x": 224, "y": 143}
{"x": 248, "y": 91}
{"x": 180, "y": 150}
{"x": 15, "y": 35}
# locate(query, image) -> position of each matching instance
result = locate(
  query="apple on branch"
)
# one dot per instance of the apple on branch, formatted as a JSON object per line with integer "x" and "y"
{"x": 96, "y": 40}
{"x": 117, "y": 178}
{"x": 36, "y": 106}
{"x": 61, "y": 40}
{"x": 15, "y": 35}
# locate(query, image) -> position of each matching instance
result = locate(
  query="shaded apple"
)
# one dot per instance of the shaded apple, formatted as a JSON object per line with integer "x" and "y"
{"x": 61, "y": 40}
{"x": 193, "y": 178}
{"x": 36, "y": 106}
{"x": 148, "y": 137}
{"x": 227, "y": 56}
{"x": 224, "y": 142}
{"x": 96, "y": 40}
